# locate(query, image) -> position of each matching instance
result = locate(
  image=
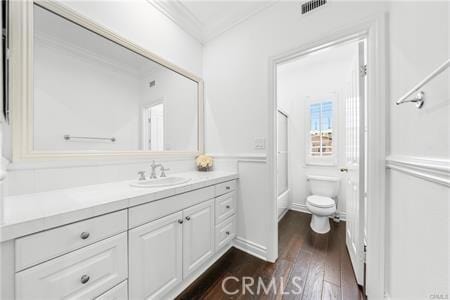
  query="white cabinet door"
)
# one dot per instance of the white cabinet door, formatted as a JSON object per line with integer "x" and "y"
{"x": 155, "y": 261}
{"x": 198, "y": 236}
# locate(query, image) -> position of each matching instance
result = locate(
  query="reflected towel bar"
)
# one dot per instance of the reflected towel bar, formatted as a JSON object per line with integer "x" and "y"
{"x": 69, "y": 137}
{"x": 420, "y": 97}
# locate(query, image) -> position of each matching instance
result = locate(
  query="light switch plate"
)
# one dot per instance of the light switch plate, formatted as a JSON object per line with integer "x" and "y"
{"x": 260, "y": 143}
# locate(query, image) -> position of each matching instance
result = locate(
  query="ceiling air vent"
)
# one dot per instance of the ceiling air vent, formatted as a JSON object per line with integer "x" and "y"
{"x": 313, "y": 4}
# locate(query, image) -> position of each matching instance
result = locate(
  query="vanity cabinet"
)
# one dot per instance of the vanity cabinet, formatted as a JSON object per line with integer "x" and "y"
{"x": 151, "y": 250}
{"x": 155, "y": 260}
{"x": 82, "y": 274}
{"x": 198, "y": 236}
{"x": 165, "y": 251}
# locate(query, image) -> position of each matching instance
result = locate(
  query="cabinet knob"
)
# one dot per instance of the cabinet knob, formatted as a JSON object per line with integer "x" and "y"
{"x": 84, "y": 235}
{"x": 84, "y": 279}
{"x": 227, "y": 188}
{"x": 188, "y": 218}
{"x": 180, "y": 221}
{"x": 227, "y": 206}
{"x": 227, "y": 232}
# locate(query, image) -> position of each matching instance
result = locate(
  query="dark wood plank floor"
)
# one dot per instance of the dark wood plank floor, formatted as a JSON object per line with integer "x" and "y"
{"x": 309, "y": 266}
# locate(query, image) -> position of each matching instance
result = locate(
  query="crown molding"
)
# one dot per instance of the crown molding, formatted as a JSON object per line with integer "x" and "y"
{"x": 178, "y": 13}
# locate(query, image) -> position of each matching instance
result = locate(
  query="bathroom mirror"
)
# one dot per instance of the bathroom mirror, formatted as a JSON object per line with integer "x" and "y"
{"x": 91, "y": 91}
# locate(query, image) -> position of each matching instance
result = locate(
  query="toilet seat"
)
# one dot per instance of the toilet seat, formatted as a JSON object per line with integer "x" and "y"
{"x": 320, "y": 201}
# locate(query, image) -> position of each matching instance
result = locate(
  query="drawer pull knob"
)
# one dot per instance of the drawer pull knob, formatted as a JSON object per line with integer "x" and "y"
{"x": 188, "y": 218}
{"x": 84, "y": 279}
{"x": 227, "y": 233}
{"x": 227, "y": 206}
{"x": 228, "y": 188}
{"x": 180, "y": 221}
{"x": 84, "y": 235}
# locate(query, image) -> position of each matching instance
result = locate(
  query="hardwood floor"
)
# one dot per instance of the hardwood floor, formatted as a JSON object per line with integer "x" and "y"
{"x": 309, "y": 266}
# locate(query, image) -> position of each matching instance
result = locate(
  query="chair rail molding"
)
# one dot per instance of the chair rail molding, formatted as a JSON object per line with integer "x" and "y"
{"x": 436, "y": 170}
{"x": 247, "y": 157}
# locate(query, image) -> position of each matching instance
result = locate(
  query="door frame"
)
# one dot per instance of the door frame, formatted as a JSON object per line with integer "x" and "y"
{"x": 374, "y": 30}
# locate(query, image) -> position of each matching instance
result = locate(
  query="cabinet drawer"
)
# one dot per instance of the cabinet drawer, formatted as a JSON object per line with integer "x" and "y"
{"x": 119, "y": 292}
{"x": 82, "y": 274}
{"x": 225, "y": 232}
{"x": 225, "y": 206}
{"x": 154, "y": 210}
{"x": 42, "y": 246}
{"x": 225, "y": 187}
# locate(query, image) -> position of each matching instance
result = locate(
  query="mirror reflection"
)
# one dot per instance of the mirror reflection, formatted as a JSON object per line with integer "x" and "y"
{"x": 91, "y": 94}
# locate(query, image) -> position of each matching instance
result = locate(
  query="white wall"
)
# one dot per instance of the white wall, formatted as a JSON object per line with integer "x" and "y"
{"x": 236, "y": 77}
{"x": 141, "y": 23}
{"x": 236, "y": 73}
{"x": 418, "y": 210}
{"x": 313, "y": 77}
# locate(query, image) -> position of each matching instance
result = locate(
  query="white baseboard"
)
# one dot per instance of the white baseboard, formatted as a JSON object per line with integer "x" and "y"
{"x": 250, "y": 248}
{"x": 302, "y": 208}
{"x": 188, "y": 281}
{"x": 281, "y": 216}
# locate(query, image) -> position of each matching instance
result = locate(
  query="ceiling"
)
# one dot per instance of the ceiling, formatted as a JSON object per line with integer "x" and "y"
{"x": 205, "y": 20}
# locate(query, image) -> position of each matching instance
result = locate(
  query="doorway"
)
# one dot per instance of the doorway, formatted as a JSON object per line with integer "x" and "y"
{"x": 324, "y": 93}
{"x": 153, "y": 127}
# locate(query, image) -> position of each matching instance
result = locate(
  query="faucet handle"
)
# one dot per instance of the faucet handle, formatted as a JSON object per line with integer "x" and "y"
{"x": 141, "y": 175}
{"x": 163, "y": 171}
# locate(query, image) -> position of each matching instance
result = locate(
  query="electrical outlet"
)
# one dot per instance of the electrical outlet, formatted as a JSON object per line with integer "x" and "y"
{"x": 260, "y": 143}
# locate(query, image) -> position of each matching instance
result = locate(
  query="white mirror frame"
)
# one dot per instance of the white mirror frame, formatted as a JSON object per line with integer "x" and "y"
{"x": 21, "y": 89}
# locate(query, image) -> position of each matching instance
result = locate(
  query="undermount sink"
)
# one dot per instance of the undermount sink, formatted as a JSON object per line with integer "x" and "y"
{"x": 160, "y": 182}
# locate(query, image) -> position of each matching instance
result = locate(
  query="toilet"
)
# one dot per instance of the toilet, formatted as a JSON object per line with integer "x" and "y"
{"x": 322, "y": 202}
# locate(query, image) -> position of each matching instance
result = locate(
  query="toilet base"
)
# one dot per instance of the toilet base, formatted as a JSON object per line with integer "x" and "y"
{"x": 320, "y": 224}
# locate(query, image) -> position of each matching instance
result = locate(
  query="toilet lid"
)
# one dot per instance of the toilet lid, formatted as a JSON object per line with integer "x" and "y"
{"x": 320, "y": 201}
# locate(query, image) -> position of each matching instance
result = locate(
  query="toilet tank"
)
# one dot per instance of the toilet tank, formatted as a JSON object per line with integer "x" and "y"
{"x": 323, "y": 185}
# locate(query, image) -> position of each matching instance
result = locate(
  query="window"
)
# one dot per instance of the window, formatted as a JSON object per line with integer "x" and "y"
{"x": 321, "y": 129}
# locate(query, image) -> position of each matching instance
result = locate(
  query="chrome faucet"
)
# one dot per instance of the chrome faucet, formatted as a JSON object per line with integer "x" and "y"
{"x": 163, "y": 171}
{"x": 153, "y": 172}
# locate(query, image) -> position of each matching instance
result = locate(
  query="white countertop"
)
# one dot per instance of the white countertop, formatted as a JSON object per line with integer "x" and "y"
{"x": 29, "y": 213}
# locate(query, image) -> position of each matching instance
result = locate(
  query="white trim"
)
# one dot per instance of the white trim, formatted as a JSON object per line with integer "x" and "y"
{"x": 250, "y": 248}
{"x": 436, "y": 170}
{"x": 22, "y": 78}
{"x": 251, "y": 157}
{"x": 186, "y": 282}
{"x": 374, "y": 29}
{"x": 178, "y": 13}
{"x": 302, "y": 208}
{"x": 282, "y": 214}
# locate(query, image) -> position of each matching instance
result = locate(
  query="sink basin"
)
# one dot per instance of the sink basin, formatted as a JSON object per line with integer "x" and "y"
{"x": 160, "y": 182}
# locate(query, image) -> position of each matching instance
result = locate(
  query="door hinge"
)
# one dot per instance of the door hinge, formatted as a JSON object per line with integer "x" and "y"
{"x": 363, "y": 70}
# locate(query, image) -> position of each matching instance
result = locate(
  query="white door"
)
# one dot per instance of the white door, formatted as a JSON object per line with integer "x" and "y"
{"x": 155, "y": 261}
{"x": 198, "y": 236}
{"x": 353, "y": 182}
{"x": 153, "y": 128}
{"x": 282, "y": 161}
